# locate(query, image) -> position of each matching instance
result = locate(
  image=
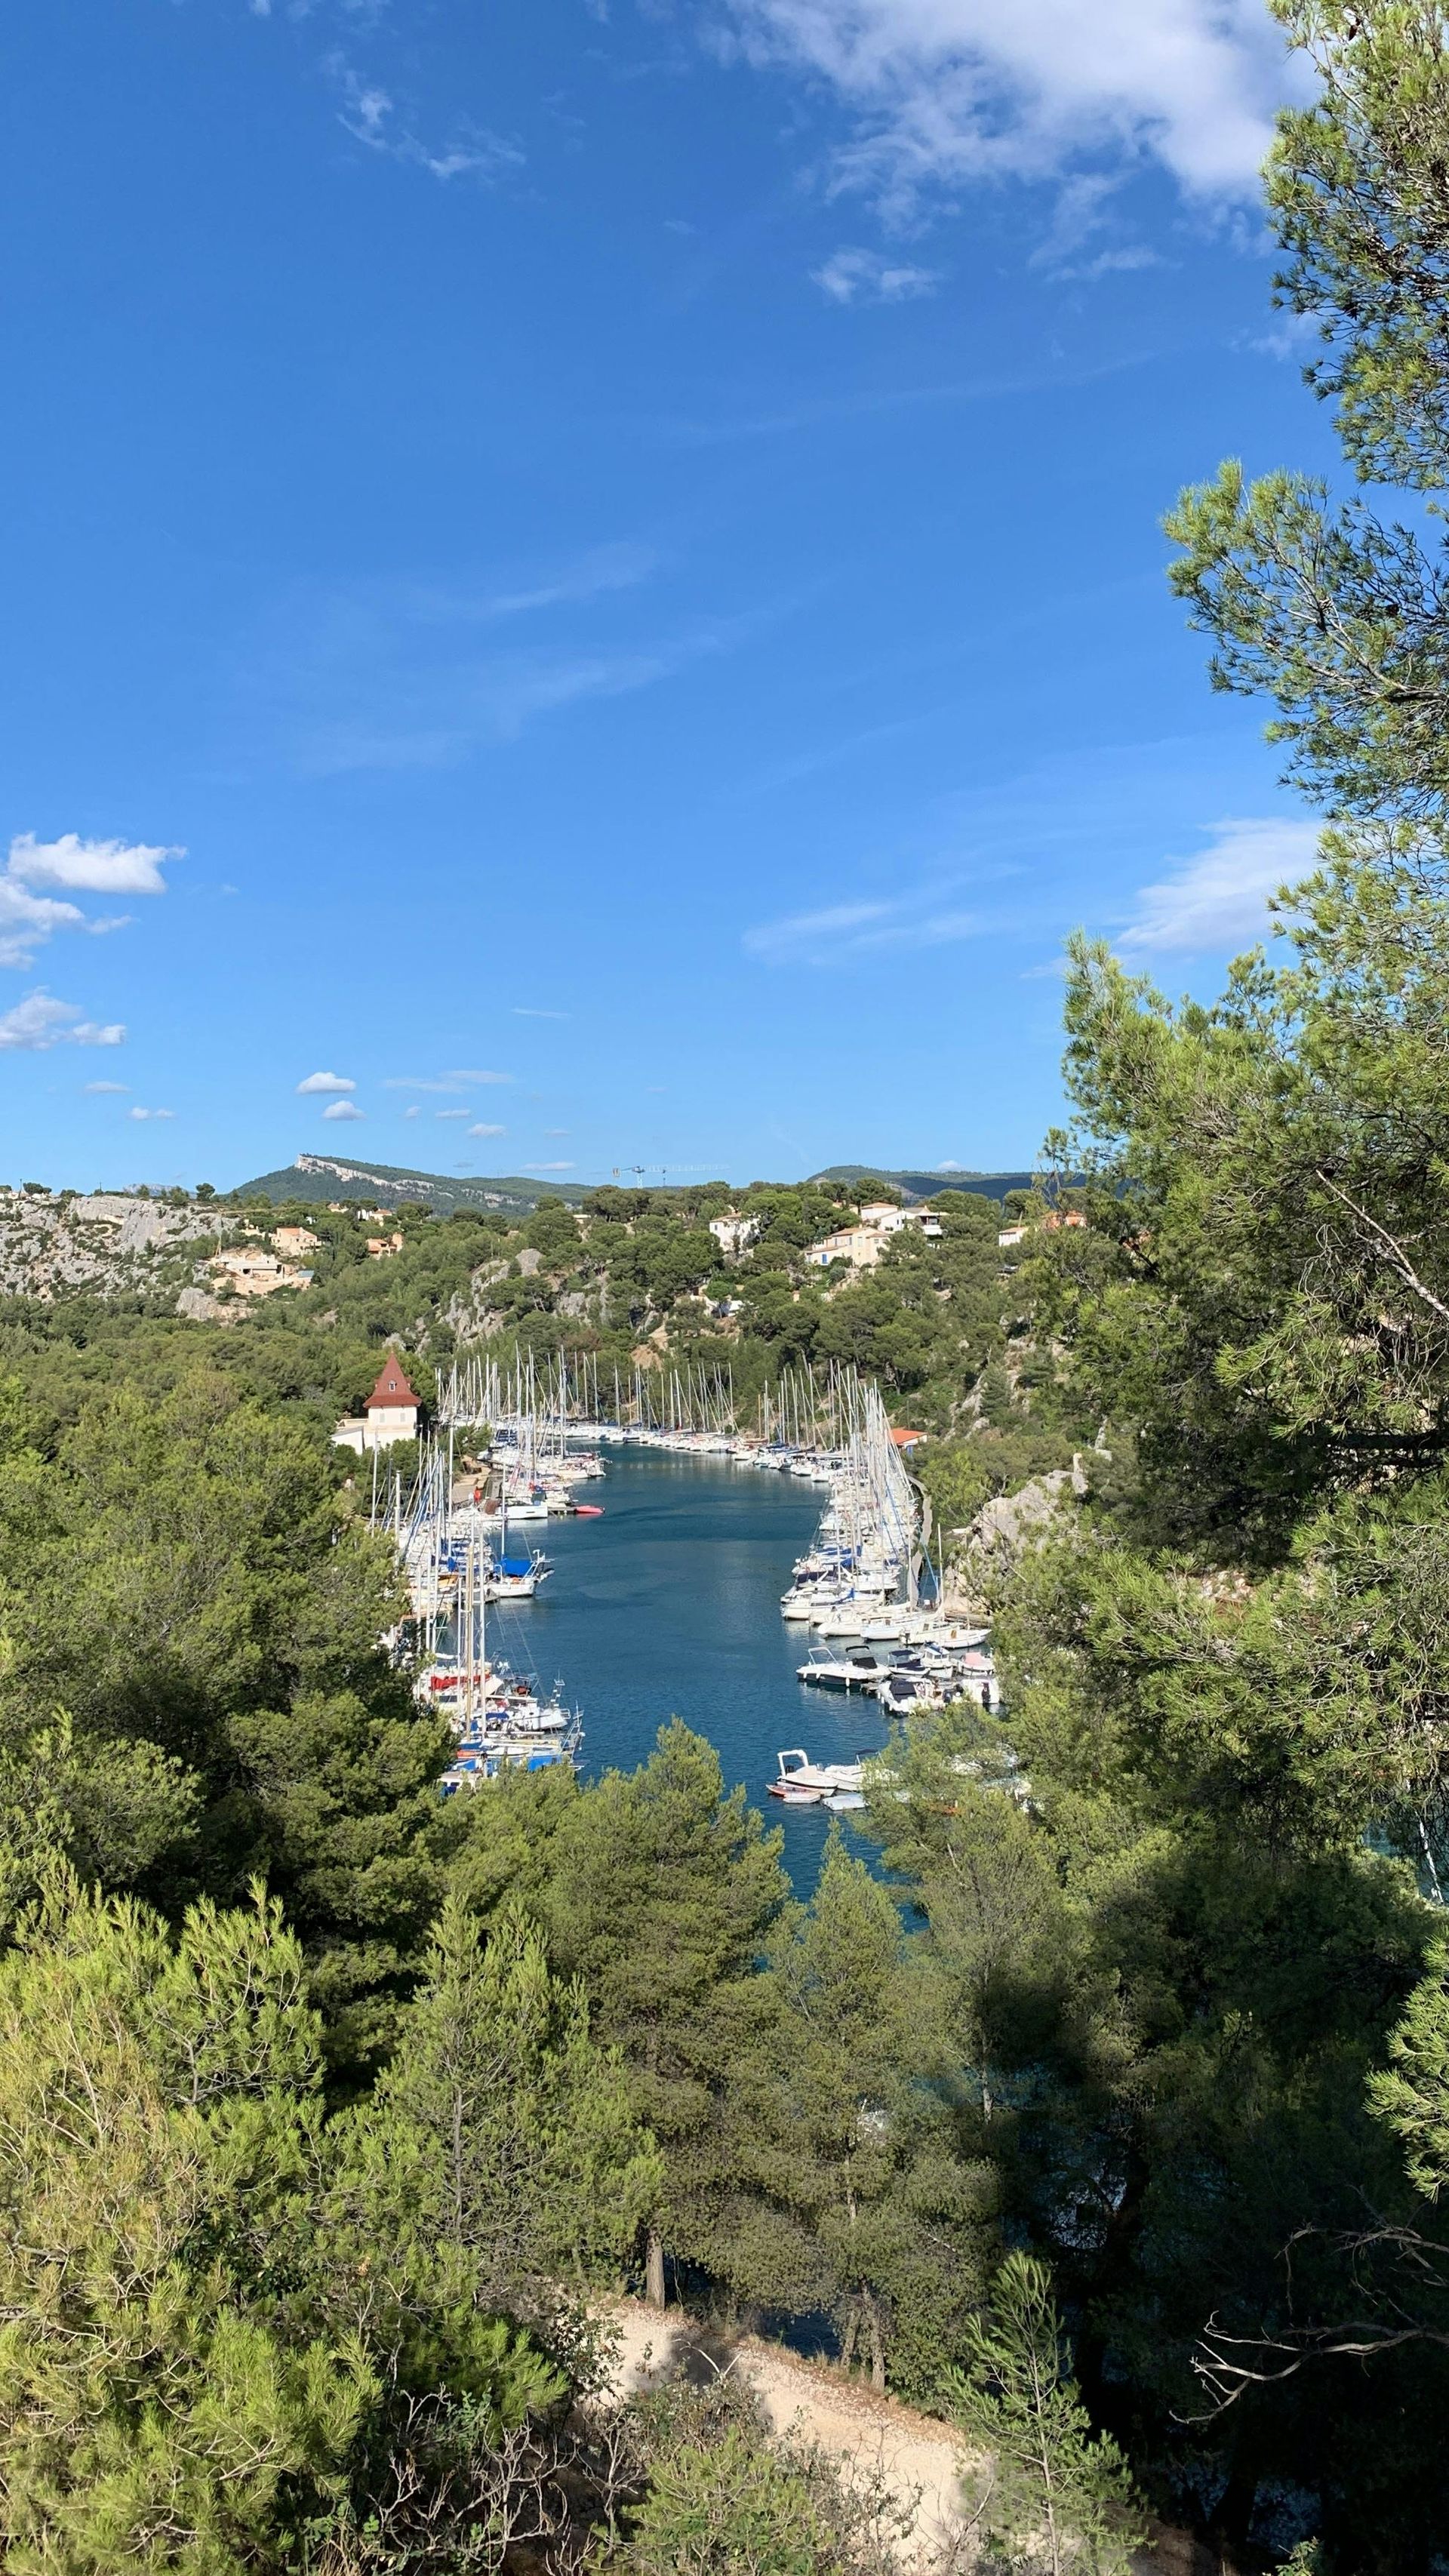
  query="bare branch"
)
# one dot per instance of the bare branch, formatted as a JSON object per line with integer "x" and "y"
{"x": 1394, "y": 1251}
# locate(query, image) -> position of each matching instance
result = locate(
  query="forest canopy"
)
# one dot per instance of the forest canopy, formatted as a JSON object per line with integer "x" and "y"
{"x": 1097, "y": 2101}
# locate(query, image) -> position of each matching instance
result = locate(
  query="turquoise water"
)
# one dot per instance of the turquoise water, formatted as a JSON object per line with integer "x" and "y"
{"x": 670, "y": 1606}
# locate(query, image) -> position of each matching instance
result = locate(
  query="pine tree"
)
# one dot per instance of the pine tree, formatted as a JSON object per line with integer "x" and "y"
{"x": 510, "y": 2138}
{"x": 849, "y": 2145}
{"x": 1411, "y": 2094}
{"x": 159, "y": 2407}
{"x": 663, "y": 1897}
{"x": 1057, "y": 2496}
{"x": 194, "y": 1613}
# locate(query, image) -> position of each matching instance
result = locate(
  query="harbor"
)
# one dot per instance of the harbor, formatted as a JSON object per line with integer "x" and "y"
{"x": 577, "y": 1579}
{"x": 668, "y": 1606}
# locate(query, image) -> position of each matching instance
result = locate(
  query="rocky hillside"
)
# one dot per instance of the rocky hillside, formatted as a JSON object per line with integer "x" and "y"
{"x": 53, "y": 1245}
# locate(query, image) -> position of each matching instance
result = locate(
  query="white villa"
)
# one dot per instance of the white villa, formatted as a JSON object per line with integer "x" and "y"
{"x": 863, "y": 1243}
{"x": 734, "y": 1233}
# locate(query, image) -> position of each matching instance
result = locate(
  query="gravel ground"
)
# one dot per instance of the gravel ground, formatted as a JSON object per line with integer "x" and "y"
{"x": 917, "y": 2456}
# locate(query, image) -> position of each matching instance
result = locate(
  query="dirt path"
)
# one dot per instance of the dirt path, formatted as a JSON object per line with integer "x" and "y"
{"x": 919, "y": 2458}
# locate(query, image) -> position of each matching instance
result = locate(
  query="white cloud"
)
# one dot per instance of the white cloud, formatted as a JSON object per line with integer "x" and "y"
{"x": 1219, "y": 900}
{"x": 40, "y": 1021}
{"x": 342, "y": 1109}
{"x": 389, "y": 674}
{"x": 924, "y": 918}
{"x": 946, "y": 91}
{"x": 28, "y": 920}
{"x": 90, "y": 867}
{"x": 482, "y": 1130}
{"x": 367, "y": 112}
{"x": 366, "y": 109}
{"x": 1293, "y": 335}
{"x": 108, "y": 1086}
{"x": 412, "y": 1112}
{"x": 452, "y": 1113}
{"x": 800, "y": 932}
{"x": 401, "y": 688}
{"x": 473, "y": 1075}
{"x": 150, "y": 1113}
{"x": 507, "y": 696}
{"x": 1122, "y": 261}
{"x": 327, "y": 1082}
{"x": 548, "y": 1167}
{"x": 602, "y": 569}
{"x": 521, "y": 1011}
{"x": 863, "y": 276}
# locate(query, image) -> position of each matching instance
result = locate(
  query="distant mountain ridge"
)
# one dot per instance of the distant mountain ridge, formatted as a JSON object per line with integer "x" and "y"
{"x": 338, "y": 1176}
{"x": 924, "y": 1185}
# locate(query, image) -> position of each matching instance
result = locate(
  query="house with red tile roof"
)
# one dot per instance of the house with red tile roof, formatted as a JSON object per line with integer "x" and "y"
{"x": 390, "y": 1413}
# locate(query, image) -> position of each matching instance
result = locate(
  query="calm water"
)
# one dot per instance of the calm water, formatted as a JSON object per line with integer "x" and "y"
{"x": 670, "y": 1606}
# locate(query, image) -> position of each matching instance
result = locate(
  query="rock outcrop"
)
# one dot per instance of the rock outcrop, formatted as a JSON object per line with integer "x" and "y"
{"x": 999, "y": 1532}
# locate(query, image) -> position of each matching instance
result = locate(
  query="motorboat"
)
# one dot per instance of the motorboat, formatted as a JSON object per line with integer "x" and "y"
{"x": 800, "y": 1602}
{"x": 842, "y": 1672}
{"x": 799, "y": 1782}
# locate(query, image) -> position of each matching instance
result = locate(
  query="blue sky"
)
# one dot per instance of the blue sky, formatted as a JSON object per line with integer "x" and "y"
{"x": 591, "y": 572}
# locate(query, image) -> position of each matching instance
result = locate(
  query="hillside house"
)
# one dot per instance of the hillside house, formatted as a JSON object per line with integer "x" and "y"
{"x": 863, "y": 1243}
{"x": 1051, "y": 1223}
{"x": 256, "y": 1274}
{"x": 734, "y": 1233}
{"x": 292, "y": 1241}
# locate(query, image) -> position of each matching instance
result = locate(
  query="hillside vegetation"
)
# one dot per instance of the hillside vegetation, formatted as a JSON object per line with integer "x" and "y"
{"x": 1109, "y": 2119}
{"x": 631, "y": 1281}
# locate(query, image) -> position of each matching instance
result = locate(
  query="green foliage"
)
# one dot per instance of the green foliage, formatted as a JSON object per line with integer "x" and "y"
{"x": 195, "y": 1665}
{"x": 237, "y": 2331}
{"x": 1004, "y": 1948}
{"x": 553, "y": 1230}
{"x": 154, "y": 2408}
{"x": 1261, "y": 1292}
{"x": 1411, "y": 2094}
{"x": 1335, "y": 614}
{"x": 715, "y": 2492}
{"x": 508, "y": 2136}
{"x": 956, "y": 1476}
{"x": 1353, "y": 186}
{"x": 1058, "y": 2495}
{"x": 663, "y": 1893}
{"x": 734, "y": 2509}
{"x": 863, "y": 2204}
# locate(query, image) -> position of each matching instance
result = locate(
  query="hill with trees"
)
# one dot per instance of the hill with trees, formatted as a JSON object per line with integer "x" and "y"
{"x": 320, "y": 1177}
{"x": 1112, "y": 2122}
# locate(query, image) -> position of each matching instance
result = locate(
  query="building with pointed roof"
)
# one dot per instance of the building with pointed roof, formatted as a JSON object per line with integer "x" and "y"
{"x": 390, "y": 1413}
